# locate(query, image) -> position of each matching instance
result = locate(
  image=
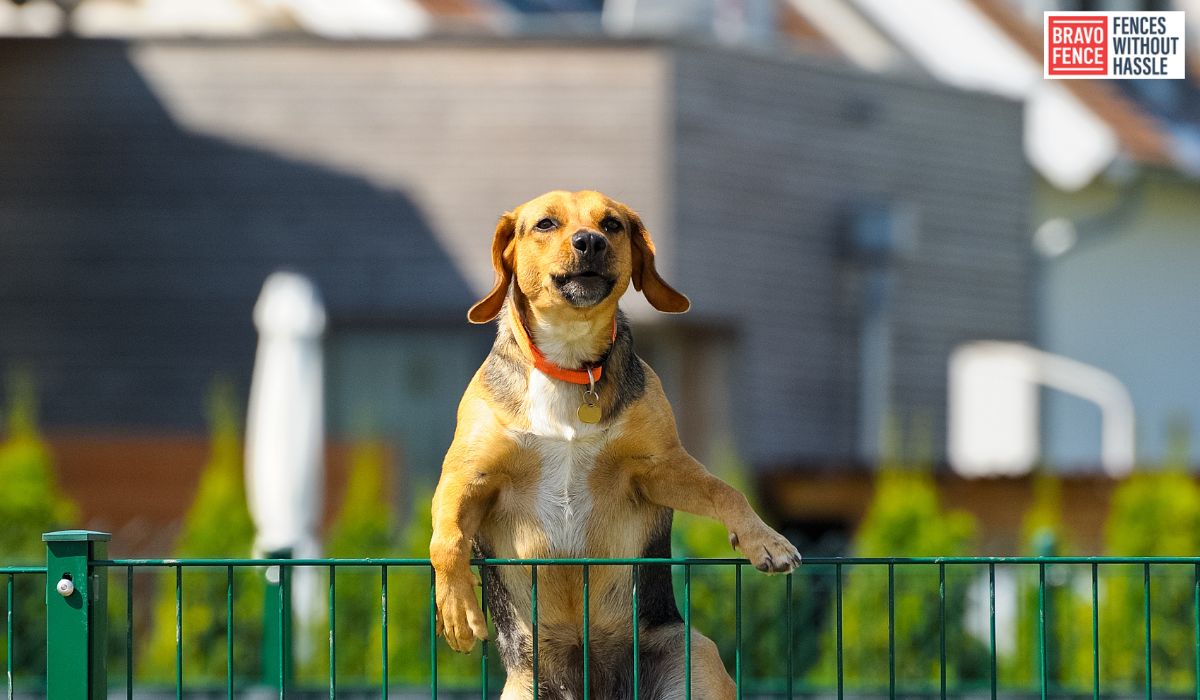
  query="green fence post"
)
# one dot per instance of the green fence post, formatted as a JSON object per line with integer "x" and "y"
{"x": 277, "y": 625}
{"x": 76, "y": 615}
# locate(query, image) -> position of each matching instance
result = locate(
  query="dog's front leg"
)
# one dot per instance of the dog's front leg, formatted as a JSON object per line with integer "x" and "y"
{"x": 673, "y": 478}
{"x": 471, "y": 475}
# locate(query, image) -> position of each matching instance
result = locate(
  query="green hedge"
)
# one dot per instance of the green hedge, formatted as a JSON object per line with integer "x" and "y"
{"x": 217, "y": 525}
{"x": 32, "y": 504}
{"x": 1153, "y": 513}
{"x": 366, "y": 527}
{"x": 905, "y": 519}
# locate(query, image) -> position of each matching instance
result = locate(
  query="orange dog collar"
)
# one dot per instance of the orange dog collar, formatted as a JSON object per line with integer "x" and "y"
{"x": 584, "y": 377}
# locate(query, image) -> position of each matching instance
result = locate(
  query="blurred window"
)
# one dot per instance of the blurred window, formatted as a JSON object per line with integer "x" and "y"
{"x": 402, "y": 386}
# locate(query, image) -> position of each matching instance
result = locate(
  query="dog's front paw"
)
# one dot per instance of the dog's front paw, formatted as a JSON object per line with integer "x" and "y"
{"x": 768, "y": 550}
{"x": 460, "y": 619}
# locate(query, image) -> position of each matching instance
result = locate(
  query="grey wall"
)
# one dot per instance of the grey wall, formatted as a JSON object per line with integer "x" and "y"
{"x": 1124, "y": 299}
{"x": 771, "y": 155}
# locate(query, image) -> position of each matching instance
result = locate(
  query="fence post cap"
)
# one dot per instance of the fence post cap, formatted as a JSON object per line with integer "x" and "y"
{"x": 76, "y": 536}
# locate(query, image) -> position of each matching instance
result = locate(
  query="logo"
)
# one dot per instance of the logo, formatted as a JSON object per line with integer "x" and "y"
{"x": 1121, "y": 45}
{"x": 1076, "y": 45}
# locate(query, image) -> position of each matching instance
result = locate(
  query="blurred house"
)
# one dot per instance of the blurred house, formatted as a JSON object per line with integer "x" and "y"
{"x": 1117, "y": 186}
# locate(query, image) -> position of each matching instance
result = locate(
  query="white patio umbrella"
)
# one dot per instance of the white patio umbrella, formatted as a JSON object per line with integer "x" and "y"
{"x": 285, "y": 425}
{"x": 285, "y": 431}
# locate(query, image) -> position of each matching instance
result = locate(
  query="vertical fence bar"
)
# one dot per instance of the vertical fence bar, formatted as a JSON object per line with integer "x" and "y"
{"x": 483, "y": 658}
{"x": 1146, "y": 598}
{"x": 276, "y": 656}
{"x": 383, "y": 590}
{"x": 1195, "y": 608}
{"x": 332, "y": 631}
{"x": 791, "y": 634}
{"x": 838, "y": 589}
{"x": 1042, "y": 625}
{"x": 178, "y": 632}
{"x": 128, "y": 633}
{"x": 891, "y": 631}
{"x": 9, "y": 640}
{"x": 76, "y": 624}
{"x": 433, "y": 670}
{"x": 992, "y": 623}
{"x": 637, "y": 649}
{"x": 587, "y": 623}
{"x": 942, "y": 624}
{"x": 284, "y": 627}
{"x": 534, "y": 599}
{"x": 737, "y": 624}
{"x": 1096, "y": 634}
{"x": 229, "y": 632}
{"x": 687, "y": 632}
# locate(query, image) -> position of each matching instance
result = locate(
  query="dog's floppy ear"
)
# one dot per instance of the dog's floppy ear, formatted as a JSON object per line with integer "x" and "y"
{"x": 502, "y": 253}
{"x": 645, "y": 277}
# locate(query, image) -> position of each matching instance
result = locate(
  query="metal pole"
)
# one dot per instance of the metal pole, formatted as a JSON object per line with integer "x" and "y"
{"x": 76, "y": 615}
{"x": 277, "y": 624}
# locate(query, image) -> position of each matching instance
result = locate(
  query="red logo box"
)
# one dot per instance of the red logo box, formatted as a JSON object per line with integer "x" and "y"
{"x": 1077, "y": 45}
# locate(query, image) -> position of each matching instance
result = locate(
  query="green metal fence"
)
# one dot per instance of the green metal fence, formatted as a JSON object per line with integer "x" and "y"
{"x": 77, "y": 572}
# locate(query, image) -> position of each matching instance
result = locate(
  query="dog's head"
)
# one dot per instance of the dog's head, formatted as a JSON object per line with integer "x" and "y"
{"x": 574, "y": 250}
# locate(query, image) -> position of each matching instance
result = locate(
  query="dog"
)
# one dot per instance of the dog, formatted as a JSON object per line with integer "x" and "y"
{"x": 566, "y": 446}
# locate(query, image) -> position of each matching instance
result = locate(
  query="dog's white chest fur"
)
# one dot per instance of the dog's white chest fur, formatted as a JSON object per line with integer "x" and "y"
{"x": 568, "y": 449}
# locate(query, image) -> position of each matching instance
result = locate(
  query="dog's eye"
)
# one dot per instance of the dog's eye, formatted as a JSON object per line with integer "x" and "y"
{"x": 545, "y": 225}
{"x": 610, "y": 225}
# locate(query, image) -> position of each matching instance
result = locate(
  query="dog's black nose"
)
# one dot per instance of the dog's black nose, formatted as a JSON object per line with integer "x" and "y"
{"x": 588, "y": 243}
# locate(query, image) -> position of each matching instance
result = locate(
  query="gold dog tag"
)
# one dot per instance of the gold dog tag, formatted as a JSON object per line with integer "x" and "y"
{"x": 589, "y": 413}
{"x": 589, "y": 410}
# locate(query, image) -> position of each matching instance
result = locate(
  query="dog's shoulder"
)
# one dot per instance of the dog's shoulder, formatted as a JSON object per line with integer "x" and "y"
{"x": 503, "y": 379}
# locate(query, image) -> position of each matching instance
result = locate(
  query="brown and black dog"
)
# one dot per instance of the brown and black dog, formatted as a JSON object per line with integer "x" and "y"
{"x": 566, "y": 447}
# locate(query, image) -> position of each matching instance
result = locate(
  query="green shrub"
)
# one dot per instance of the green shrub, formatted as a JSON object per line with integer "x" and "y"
{"x": 408, "y": 614}
{"x": 217, "y": 525}
{"x": 1068, "y": 614}
{"x": 32, "y": 504}
{"x": 905, "y": 519}
{"x": 366, "y": 527}
{"x": 1153, "y": 513}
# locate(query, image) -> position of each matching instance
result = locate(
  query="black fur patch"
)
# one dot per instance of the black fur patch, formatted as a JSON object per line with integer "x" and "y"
{"x": 611, "y": 663}
{"x": 506, "y": 371}
{"x": 513, "y": 644}
{"x": 656, "y": 597}
{"x": 624, "y": 379}
{"x": 611, "y": 675}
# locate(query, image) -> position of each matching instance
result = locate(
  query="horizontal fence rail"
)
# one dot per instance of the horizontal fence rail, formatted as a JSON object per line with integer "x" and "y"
{"x": 79, "y": 646}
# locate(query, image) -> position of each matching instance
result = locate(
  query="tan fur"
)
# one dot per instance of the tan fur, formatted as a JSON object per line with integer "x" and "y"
{"x": 494, "y": 474}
